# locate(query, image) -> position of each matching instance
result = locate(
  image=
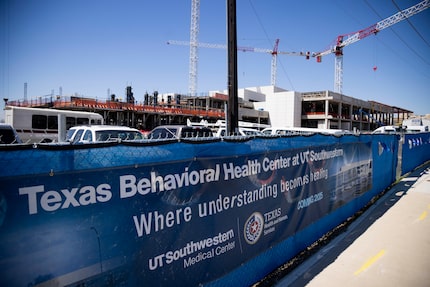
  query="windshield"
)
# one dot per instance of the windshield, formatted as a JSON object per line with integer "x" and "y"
{"x": 109, "y": 135}
{"x": 188, "y": 132}
{"x": 251, "y": 132}
{"x": 70, "y": 133}
{"x": 163, "y": 133}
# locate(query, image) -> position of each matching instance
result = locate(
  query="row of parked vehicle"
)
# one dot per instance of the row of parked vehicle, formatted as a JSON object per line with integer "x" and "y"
{"x": 103, "y": 133}
{"x": 106, "y": 133}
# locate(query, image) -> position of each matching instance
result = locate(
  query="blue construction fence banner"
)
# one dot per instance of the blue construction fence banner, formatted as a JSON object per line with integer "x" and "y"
{"x": 181, "y": 213}
{"x": 415, "y": 150}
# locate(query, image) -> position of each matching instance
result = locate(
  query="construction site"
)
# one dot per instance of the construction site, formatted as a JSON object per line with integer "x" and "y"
{"x": 268, "y": 105}
{"x": 231, "y": 209}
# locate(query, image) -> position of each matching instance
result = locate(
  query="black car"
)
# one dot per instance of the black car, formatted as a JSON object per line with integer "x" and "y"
{"x": 8, "y": 135}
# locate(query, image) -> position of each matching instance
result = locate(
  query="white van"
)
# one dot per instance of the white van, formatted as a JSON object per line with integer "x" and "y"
{"x": 36, "y": 125}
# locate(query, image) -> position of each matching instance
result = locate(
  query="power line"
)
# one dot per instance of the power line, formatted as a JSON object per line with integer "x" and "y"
{"x": 268, "y": 40}
{"x": 413, "y": 27}
{"x": 259, "y": 22}
{"x": 398, "y": 36}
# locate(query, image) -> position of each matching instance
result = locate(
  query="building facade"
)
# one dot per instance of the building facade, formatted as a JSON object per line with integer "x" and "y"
{"x": 327, "y": 110}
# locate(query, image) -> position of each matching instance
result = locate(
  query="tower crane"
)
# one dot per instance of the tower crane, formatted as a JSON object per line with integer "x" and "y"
{"x": 274, "y": 52}
{"x": 194, "y": 32}
{"x": 348, "y": 39}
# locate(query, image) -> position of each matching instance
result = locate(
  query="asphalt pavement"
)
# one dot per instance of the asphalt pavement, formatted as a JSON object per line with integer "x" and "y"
{"x": 388, "y": 245}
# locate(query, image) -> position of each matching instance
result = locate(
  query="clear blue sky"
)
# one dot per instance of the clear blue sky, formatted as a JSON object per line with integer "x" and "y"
{"x": 90, "y": 46}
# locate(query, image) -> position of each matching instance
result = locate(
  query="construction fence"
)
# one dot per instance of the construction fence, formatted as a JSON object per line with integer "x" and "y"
{"x": 188, "y": 213}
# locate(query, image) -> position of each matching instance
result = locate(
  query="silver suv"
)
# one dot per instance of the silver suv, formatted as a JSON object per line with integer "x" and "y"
{"x": 101, "y": 133}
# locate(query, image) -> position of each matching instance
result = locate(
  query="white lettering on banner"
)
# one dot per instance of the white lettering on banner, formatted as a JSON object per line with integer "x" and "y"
{"x": 287, "y": 185}
{"x": 275, "y": 164}
{"x": 155, "y": 221}
{"x": 311, "y": 155}
{"x": 324, "y": 154}
{"x": 231, "y": 171}
{"x": 191, "y": 248}
{"x": 321, "y": 173}
{"x": 53, "y": 200}
{"x": 223, "y": 203}
{"x": 199, "y": 257}
{"x": 304, "y": 156}
{"x": 129, "y": 185}
{"x": 271, "y": 219}
{"x": 272, "y": 214}
{"x": 225, "y": 248}
{"x": 310, "y": 200}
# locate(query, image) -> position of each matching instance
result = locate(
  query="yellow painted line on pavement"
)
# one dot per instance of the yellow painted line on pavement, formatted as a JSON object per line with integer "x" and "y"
{"x": 423, "y": 215}
{"x": 370, "y": 262}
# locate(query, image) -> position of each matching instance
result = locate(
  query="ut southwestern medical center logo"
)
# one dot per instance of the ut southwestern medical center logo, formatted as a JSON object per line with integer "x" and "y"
{"x": 253, "y": 228}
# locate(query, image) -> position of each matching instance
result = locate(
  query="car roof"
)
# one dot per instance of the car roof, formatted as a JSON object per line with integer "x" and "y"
{"x": 105, "y": 127}
{"x": 174, "y": 126}
{"x": 178, "y": 127}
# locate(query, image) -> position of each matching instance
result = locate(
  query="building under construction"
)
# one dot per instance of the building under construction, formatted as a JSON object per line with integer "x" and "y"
{"x": 268, "y": 105}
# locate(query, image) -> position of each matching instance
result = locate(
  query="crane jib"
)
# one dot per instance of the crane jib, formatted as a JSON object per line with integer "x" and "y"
{"x": 347, "y": 39}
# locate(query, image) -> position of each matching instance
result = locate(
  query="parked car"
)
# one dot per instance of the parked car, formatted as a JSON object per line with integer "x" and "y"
{"x": 8, "y": 135}
{"x": 102, "y": 133}
{"x": 179, "y": 131}
{"x": 387, "y": 130}
{"x": 292, "y": 131}
{"x": 242, "y": 132}
{"x": 416, "y": 129}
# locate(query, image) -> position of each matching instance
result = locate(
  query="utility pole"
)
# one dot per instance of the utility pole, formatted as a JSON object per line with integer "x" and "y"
{"x": 232, "y": 108}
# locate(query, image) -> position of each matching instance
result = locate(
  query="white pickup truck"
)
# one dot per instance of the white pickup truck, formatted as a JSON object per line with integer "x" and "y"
{"x": 101, "y": 133}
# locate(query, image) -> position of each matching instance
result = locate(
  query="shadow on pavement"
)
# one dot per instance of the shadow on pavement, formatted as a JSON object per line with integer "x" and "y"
{"x": 303, "y": 268}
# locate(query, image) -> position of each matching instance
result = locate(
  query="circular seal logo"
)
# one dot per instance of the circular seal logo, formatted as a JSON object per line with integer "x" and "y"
{"x": 253, "y": 227}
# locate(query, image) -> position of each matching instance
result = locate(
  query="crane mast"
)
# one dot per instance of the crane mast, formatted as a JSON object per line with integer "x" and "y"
{"x": 194, "y": 32}
{"x": 274, "y": 63}
{"x": 348, "y": 39}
